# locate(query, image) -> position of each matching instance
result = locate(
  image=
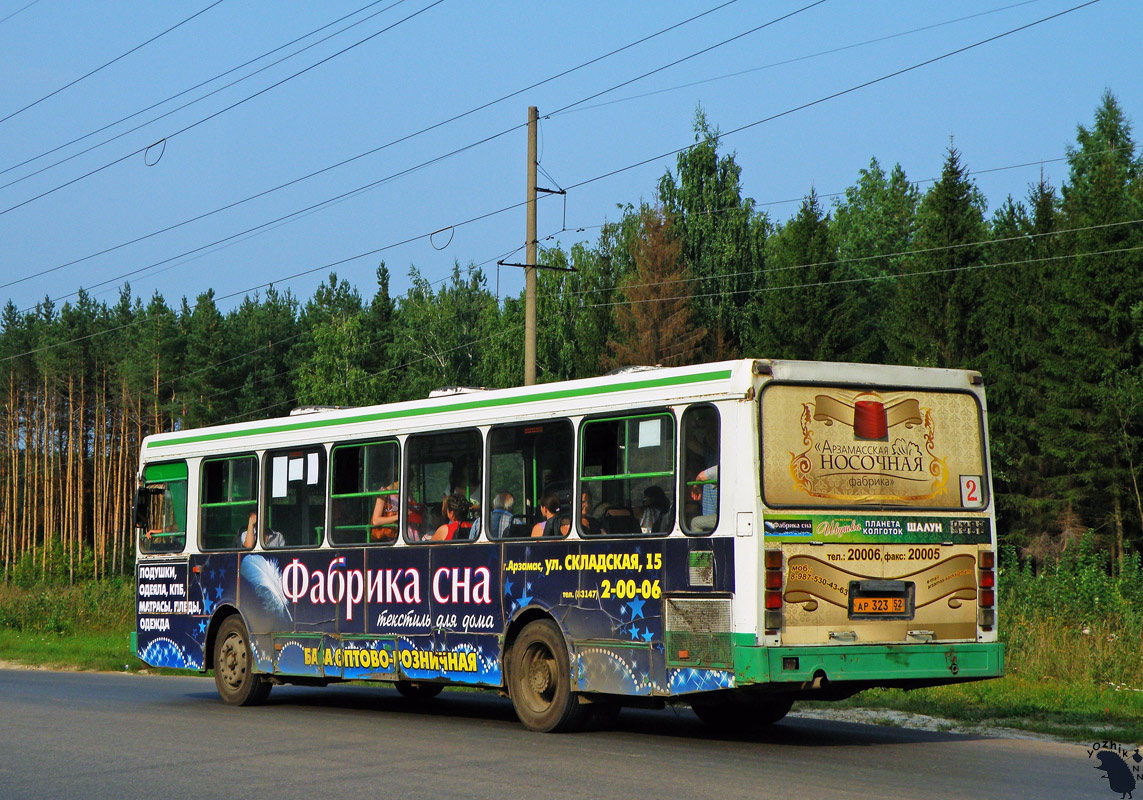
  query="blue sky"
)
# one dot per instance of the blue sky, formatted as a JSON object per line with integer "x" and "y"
{"x": 1014, "y": 101}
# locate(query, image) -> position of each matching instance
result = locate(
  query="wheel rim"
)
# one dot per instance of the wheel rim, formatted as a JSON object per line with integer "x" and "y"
{"x": 232, "y": 661}
{"x": 539, "y": 678}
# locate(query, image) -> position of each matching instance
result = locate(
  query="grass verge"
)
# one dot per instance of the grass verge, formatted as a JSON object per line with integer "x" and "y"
{"x": 1075, "y": 712}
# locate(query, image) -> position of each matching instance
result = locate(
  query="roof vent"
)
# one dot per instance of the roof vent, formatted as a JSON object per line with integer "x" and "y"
{"x": 449, "y": 391}
{"x": 300, "y": 410}
{"x": 629, "y": 370}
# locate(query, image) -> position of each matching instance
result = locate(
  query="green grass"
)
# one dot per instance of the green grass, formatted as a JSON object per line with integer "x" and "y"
{"x": 105, "y": 652}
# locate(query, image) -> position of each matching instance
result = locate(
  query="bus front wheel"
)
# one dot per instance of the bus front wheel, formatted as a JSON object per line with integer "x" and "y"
{"x": 539, "y": 680}
{"x": 234, "y": 674}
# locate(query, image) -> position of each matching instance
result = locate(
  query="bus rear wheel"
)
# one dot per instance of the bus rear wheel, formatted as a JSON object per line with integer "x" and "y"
{"x": 743, "y": 715}
{"x": 234, "y": 674}
{"x": 539, "y": 680}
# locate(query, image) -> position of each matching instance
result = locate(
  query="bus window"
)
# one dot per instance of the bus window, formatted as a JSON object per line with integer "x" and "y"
{"x": 628, "y": 468}
{"x": 295, "y": 498}
{"x": 164, "y": 524}
{"x": 525, "y": 462}
{"x": 699, "y": 477}
{"x": 229, "y": 495}
{"x": 365, "y": 497}
{"x": 443, "y": 464}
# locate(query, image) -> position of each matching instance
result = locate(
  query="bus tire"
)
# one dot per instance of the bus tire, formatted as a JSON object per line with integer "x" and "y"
{"x": 234, "y": 676}
{"x": 539, "y": 680}
{"x": 743, "y": 716}
{"x": 417, "y": 690}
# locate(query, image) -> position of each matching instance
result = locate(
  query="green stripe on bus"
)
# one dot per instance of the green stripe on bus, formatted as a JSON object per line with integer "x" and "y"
{"x": 560, "y": 394}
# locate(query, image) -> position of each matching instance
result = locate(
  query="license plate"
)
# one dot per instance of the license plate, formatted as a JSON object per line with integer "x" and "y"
{"x": 874, "y": 599}
{"x": 879, "y": 605}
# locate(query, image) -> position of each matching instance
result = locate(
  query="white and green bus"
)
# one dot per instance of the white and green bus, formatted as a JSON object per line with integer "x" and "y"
{"x": 733, "y": 536}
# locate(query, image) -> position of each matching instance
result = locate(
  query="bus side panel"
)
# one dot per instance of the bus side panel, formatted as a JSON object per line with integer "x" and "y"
{"x": 170, "y": 622}
{"x": 434, "y": 613}
{"x": 609, "y": 598}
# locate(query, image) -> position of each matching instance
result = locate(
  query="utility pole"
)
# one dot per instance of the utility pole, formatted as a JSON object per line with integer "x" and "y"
{"x": 530, "y": 257}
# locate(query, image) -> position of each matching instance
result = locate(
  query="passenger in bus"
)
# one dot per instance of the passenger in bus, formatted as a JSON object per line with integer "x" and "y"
{"x": 415, "y": 519}
{"x": 589, "y": 523}
{"x": 615, "y": 519}
{"x": 248, "y": 535}
{"x": 386, "y": 512}
{"x": 502, "y": 513}
{"x": 457, "y": 527}
{"x": 655, "y": 508}
{"x": 554, "y": 523}
{"x": 707, "y": 495}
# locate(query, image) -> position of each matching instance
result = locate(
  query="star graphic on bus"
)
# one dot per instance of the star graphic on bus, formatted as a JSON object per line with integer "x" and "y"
{"x": 636, "y": 607}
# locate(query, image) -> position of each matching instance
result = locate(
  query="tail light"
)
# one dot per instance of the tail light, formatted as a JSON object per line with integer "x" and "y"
{"x": 773, "y": 596}
{"x": 986, "y": 583}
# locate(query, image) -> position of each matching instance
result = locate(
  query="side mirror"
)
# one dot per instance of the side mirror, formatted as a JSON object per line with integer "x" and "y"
{"x": 142, "y": 506}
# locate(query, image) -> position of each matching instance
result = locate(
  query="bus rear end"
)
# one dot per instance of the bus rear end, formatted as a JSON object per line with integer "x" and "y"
{"x": 878, "y": 557}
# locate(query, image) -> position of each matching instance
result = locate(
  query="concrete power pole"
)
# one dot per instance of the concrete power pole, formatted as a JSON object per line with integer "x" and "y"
{"x": 530, "y": 257}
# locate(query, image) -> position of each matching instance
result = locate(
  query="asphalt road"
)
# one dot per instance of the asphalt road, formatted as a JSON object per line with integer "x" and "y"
{"x": 93, "y": 735}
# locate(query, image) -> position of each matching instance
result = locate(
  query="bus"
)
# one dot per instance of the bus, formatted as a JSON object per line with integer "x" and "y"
{"x": 731, "y": 536}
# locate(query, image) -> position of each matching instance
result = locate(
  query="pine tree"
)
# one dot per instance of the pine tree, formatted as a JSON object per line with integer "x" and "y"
{"x": 936, "y": 319}
{"x": 873, "y": 228}
{"x": 654, "y": 327}
{"x": 1096, "y": 437}
{"x": 804, "y": 312}
{"x": 722, "y": 238}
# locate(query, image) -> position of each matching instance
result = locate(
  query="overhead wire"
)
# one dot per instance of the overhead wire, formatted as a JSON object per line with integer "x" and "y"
{"x": 840, "y": 93}
{"x": 193, "y": 88}
{"x": 695, "y": 54}
{"x": 18, "y": 10}
{"x": 222, "y": 111}
{"x": 511, "y": 330}
{"x": 632, "y": 166}
{"x": 710, "y": 212}
{"x": 798, "y": 59}
{"x": 379, "y": 148}
{"x": 109, "y": 63}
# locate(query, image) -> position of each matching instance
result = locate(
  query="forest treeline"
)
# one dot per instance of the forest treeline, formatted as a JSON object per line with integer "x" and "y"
{"x": 1043, "y": 294}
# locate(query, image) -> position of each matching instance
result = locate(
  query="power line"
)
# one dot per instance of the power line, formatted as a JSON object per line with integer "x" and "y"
{"x": 18, "y": 10}
{"x": 835, "y": 95}
{"x": 689, "y": 57}
{"x": 230, "y": 107}
{"x": 640, "y": 163}
{"x": 788, "y": 61}
{"x": 870, "y": 278}
{"x": 370, "y": 152}
{"x": 109, "y": 63}
{"x": 191, "y": 89}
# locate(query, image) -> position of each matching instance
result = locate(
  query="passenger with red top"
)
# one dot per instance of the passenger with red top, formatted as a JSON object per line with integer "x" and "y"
{"x": 456, "y": 508}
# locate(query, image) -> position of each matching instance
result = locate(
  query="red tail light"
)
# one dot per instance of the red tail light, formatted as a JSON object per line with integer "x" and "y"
{"x": 987, "y": 579}
{"x": 987, "y": 598}
{"x": 773, "y": 599}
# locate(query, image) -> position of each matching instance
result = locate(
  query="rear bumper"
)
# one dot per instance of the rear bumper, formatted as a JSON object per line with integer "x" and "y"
{"x": 875, "y": 665}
